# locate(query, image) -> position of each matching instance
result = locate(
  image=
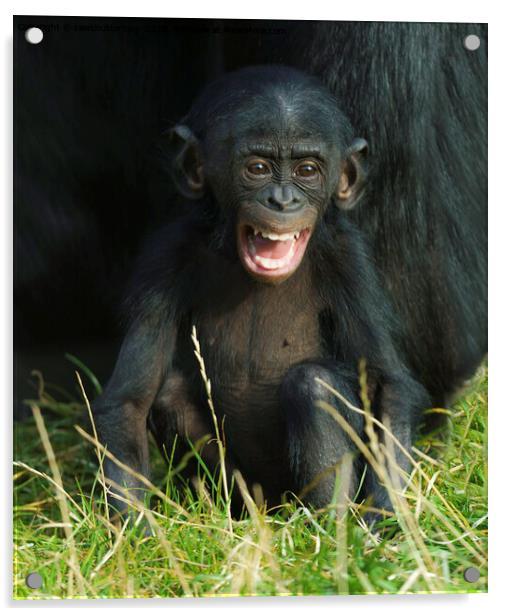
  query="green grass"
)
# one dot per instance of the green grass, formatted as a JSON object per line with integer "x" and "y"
{"x": 439, "y": 530}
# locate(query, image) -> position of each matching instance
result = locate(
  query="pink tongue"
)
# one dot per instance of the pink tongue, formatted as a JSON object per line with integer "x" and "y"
{"x": 271, "y": 249}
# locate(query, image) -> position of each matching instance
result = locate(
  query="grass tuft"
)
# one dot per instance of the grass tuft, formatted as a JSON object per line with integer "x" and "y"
{"x": 62, "y": 529}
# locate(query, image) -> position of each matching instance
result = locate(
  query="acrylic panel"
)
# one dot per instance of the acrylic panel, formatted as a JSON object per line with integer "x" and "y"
{"x": 250, "y": 307}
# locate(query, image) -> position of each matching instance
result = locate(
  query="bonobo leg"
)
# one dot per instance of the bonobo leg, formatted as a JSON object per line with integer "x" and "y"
{"x": 175, "y": 415}
{"x": 315, "y": 442}
{"x": 176, "y": 420}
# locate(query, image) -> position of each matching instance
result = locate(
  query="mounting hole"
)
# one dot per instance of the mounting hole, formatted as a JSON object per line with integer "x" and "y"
{"x": 471, "y": 574}
{"x": 34, "y": 35}
{"x": 472, "y": 42}
{"x": 34, "y": 580}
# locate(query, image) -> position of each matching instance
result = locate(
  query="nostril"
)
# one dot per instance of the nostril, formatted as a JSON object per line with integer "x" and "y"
{"x": 274, "y": 202}
{"x": 291, "y": 203}
{"x": 283, "y": 202}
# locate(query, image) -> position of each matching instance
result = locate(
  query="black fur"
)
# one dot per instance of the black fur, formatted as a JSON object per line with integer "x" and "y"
{"x": 420, "y": 99}
{"x": 263, "y": 344}
{"x": 85, "y": 197}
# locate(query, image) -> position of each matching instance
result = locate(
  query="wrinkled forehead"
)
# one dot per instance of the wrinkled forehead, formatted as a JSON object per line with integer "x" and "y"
{"x": 279, "y": 120}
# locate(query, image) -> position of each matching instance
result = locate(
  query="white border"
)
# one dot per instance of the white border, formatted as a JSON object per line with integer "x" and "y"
{"x": 387, "y": 10}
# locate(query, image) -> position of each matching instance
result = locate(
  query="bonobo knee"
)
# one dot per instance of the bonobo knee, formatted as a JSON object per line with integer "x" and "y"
{"x": 300, "y": 390}
{"x": 300, "y": 382}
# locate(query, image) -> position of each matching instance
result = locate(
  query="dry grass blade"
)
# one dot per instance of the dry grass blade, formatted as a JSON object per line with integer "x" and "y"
{"x": 112, "y": 550}
{"x": 100, "y": 457}
{"x": 460, "y": 521}
{"x": 57, "y": 487}
{"x": 343, "y": 481}
{"x": 132, "y": 472}
{"x": 425, "y": 501}
{"x": 409, "y": 583}
{"x": 62, "y": 502}
{"x": 423, "y": 559}
{"x": 407, "y": 519}
{"x": 247, "y": 498}
{"x": 132, "y": 501}
{"x": 369, "y": 418}
{"x": 283, "y": 550}
{"x": 220, "y": 444}
{"x": 253, "y": 562}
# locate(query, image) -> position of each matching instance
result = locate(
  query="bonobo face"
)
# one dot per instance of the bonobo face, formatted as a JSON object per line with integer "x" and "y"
{"x": 272, "y": 154}
{"x": 281, "y": 187}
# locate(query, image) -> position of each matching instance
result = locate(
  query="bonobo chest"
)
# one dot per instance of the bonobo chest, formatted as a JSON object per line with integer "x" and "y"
{"x": 254, "y": 336}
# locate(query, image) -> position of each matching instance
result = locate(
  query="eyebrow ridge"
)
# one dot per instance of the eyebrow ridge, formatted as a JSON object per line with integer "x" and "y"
{"x": 262, "y": 149}
{"x": 271, "y": 151}
{"x": 305, "y": 150}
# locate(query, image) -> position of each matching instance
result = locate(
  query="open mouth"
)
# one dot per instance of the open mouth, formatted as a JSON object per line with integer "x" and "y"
{"x": 271, "y": 255}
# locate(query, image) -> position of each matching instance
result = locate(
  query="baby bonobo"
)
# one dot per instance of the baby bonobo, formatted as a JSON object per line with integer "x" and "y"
{"x": 281, "y": 289}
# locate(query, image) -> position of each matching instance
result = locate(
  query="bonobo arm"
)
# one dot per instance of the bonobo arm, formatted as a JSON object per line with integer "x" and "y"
{"x": 121, "y": 412}
{"x": 363, "y": 325}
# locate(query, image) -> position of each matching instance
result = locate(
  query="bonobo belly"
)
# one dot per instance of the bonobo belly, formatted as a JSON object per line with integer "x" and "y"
{"x": 247, "y": 352}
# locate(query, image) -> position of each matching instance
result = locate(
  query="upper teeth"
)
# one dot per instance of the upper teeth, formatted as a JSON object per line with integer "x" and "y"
{"x": 283, "y": 237}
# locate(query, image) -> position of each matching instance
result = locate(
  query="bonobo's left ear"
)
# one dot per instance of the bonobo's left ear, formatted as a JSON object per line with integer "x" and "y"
{"x": 353, "y": 174}
{"x": 187, "y": 165}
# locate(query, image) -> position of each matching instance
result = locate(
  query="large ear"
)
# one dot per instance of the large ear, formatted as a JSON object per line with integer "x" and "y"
{"x": 187, "y": 164}
{"x": 352, "y": 175}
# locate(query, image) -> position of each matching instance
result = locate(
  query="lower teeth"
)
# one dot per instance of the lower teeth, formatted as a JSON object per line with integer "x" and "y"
{"x": 268, "y": 263}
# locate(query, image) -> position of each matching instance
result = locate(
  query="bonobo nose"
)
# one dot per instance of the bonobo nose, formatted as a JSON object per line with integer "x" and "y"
{"x": 283, "y": 198}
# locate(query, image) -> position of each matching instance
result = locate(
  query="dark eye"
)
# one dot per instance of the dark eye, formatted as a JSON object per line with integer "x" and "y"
{"x": 258, "y": 167}
{"x": 306, "y": 170}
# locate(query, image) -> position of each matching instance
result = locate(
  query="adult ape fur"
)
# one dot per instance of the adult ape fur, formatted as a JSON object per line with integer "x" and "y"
{"x": 420, "y": 99}
{"x": 279, "y": 284}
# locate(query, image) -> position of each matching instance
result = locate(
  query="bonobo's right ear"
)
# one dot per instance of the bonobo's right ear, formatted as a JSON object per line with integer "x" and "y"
{"x": 187, "y": 166}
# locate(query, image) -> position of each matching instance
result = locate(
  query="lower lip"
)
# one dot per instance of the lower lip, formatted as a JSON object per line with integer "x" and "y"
{"x": 271, "y": 269}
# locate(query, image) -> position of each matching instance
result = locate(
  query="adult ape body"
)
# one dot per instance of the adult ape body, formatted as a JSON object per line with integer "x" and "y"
{"x": 280, "y": 287}
{"x": 420, "y": 99}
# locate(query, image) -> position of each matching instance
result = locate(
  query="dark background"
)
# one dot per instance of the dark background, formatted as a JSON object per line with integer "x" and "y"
{"x": 92, "y": 102}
